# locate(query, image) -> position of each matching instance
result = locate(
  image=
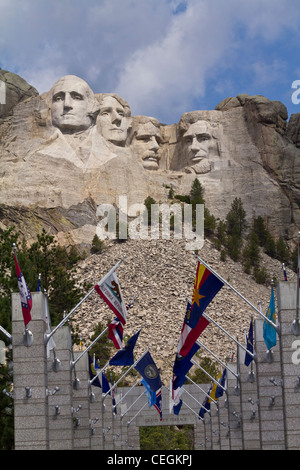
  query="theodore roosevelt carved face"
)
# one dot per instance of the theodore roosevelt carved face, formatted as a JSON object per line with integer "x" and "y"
{"x": 145, "y": 141}
{"x": 73, "y": 105}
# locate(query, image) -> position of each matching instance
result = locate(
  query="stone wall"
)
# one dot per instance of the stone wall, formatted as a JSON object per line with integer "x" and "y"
{"x": 56, "y": 408}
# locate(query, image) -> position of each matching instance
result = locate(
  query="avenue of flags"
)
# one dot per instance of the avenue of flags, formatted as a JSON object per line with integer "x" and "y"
{"x": 206, "y": 286}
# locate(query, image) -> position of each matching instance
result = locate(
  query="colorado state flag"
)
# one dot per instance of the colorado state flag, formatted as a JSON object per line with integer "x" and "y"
{"x": 206, "y": 286}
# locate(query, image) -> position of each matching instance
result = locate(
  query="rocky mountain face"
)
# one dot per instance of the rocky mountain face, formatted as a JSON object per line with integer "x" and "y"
{"x": 72, "y": 155}
{"x": 62, "y": 162}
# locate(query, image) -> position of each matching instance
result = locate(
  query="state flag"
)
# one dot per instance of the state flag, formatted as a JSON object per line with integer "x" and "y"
{"x": 25, "y": 295}
{"x": 115, "y": 333}
{"x": 92, "y": 373}
{"x": 124, "y": 357}
{"x": 110, "y": 292}
{"x": 148, "y": 370}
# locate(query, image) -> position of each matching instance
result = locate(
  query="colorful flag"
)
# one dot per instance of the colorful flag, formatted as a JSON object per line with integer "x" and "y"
{"x": 115, "y": 333}
{"x": 25, "y": 295}
{"x": 177, "y": 408}
{"x": 125, "y": 356}
{"x": 110, "y": 291}
{"x": 220, "y": 388}
{"x": 249, "y": 345}
{"x": 182, "y": 365}
{"x": 206, "y": 286}
{"x": 214, "y": 388}
{"x": 157, "y": 404}
{"x": 284, "y": 272}
{"x": 205, "y": 405}
{"x": 105, "y": 385}
{"x": 189, "y": 335}
{"x": 148, "y": 370}
{"x": 269, "y": 332}
{"x": 150, "y": 394}
{"x": 93, "y": 374}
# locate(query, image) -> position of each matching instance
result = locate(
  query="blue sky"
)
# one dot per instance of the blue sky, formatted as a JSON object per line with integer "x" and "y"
{"x": 165, "y": 57}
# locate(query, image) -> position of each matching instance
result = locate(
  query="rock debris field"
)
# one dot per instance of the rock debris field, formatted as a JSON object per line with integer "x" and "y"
{"x": 162, "y": 273}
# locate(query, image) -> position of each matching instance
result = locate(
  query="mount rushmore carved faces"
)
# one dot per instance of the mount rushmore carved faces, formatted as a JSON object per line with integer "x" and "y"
{"x": 73, "y": 105}
{"x": 197, "y": 142}
{"x": 114, "y": 120}
{"x": 145, "y": 140}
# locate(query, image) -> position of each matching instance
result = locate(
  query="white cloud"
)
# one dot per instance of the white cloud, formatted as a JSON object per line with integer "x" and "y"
{"x": 160, "y": 62}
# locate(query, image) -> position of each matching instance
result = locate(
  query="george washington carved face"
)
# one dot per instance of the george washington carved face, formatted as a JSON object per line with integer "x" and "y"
{"x": 73, "y": 105}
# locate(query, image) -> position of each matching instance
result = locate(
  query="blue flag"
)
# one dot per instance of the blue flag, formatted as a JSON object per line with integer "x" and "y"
{"x": 39, "y": 287}
{"x": 124, "y": 357}
{"x": 105, "y": 384}
{"x": 148, "y": 370}
{"x": 269, "y": 332}
{"x": 220, "y": 390}
{"x": 182, "y": 365}
{"x": 249, "y": 346}
{"x": 93, "y": 374}
{"x": 177, "y": 408}
{"x": 150, "y": 395}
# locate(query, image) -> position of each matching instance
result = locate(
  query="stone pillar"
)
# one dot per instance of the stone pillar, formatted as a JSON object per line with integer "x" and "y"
{"x": 269, "y": 382}
{"x": 249, "y": 404}
{"x": 81, "y": 404}
{"x": 234, "y": 410}
{"x": 61, "y": 432}
{"x": 31, "y": 420}
{"x": 289, "y": 344}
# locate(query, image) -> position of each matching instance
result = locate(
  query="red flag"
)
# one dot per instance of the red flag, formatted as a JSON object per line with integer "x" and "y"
{"x": 115, "y": 333}
{"x": 25, "y": 295}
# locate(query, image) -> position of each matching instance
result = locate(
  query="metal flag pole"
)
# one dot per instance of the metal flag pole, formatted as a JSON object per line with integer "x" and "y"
{"x": 185, "y": 391}
{"x": 205, "y": 393}
{"x": 48, "y": 336}
{"x": 129, "y": 422}
{"x": 136, "y": 400}
{"x": 296, "y": 323}
{"x": 72, "y": 363}
{"x": 6, "y": 333}
{"x": 238, "y": 293}
{"x": 228, "y": 334}
{"x": 214, "y": 380}
{"x": 219, "y": 360}
{"x": 98, "y": 373}
{"x": 131, "y": 367}
{"x": 128, "y": 391}
{"x": 202, "y": 419}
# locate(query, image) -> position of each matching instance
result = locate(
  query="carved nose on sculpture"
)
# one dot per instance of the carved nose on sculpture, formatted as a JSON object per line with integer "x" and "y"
{"x": 115, "y": 118}
{"x": 153, "y": 144}
{"x": 68, "y": 101}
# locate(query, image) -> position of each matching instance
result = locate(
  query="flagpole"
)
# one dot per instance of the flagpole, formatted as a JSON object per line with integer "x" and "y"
{"x": 219, "y": 360}
{"x": 139, "y": 381}
{"x": 214, "y": 380}
{"x": 137, "y": 399}
{"x": 237, "y": 292}
{"x": 184, "y": 390}
{"x": 131, "y": 367}
{"x": 6, "y": 333}
{"x": 98, "y": 373}
{"x": 202, "y": 419}
{"x": 296, "y": 323}
{"x": 212, "y": 399}
{"x": 48, "y": 336}
{"x": 129, "y": 422}
{"x": 228, "y": 334}
{"x": 72, "y": 363}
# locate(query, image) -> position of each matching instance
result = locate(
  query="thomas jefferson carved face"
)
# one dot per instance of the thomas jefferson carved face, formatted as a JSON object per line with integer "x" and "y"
{"x": 112, "y": 121}
{"x": 145, "y": 144}
{"x": 72, "y": 104}
{"x": 197, "y": 140}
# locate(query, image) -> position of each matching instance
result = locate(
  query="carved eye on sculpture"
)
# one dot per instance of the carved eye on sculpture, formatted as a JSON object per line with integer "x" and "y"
{"x": 58, "y": 97}
{"x": 77, "y": 96}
